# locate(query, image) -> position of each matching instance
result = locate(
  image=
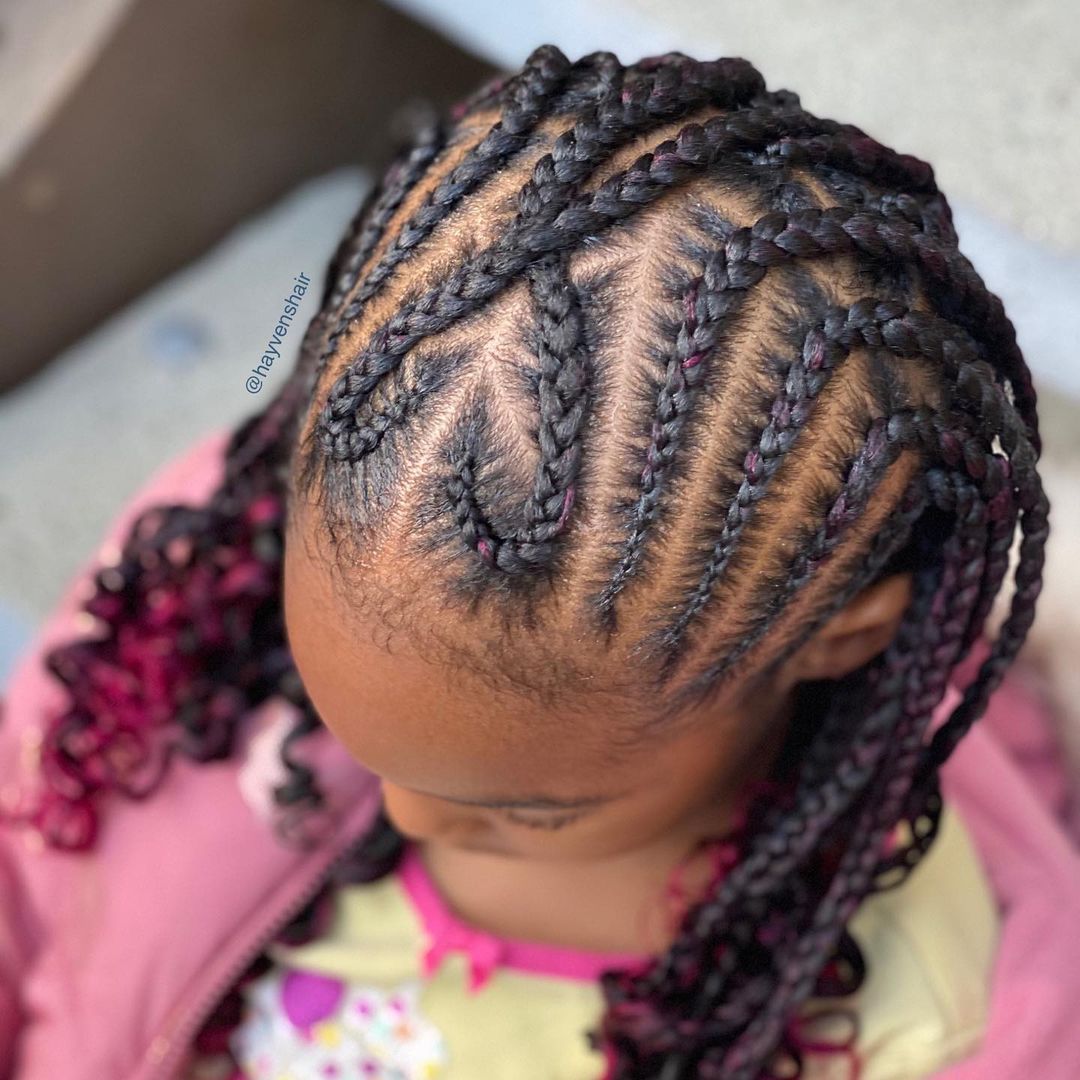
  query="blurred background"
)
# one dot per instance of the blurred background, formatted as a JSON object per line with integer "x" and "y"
{"x": 167, "y": 169}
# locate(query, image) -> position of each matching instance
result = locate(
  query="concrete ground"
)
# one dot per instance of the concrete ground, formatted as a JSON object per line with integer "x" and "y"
{"x": 82, "y": 436}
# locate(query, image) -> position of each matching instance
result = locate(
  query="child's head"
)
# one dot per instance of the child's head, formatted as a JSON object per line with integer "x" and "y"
{"x": 654, "y": 438}
{"x": 597, "y": 442}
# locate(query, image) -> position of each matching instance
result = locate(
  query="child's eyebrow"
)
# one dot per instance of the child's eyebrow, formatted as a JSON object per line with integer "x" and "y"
{"x": 531, "y": 802}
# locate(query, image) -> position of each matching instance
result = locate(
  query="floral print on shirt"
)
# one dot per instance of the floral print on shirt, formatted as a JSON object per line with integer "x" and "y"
{"x": 300, "y": 1025}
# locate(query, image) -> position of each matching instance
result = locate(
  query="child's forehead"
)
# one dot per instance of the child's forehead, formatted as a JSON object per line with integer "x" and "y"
{"x": 383, "y": 597}
{"x": 413, "y": 705}
{"x": 410, "y": 716}
{"x": 390, "y": 591}
{"x": 434, "y": 733}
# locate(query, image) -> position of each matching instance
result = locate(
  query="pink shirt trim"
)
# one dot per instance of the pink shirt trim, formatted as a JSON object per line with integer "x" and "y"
{"x": 486, "y": 951}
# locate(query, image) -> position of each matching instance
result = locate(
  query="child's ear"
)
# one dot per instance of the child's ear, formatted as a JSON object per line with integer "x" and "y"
{"x": 856, "y": 633}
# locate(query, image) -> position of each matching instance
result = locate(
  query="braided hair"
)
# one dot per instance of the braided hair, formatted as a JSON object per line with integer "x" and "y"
{"x": 738, "y": 346}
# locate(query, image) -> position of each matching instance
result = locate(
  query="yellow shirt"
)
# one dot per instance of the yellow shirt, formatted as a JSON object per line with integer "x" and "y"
{"x": 357, "y": 1001}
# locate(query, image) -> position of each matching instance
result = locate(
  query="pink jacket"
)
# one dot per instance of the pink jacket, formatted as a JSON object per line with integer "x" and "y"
{"x": 110, "y": 960}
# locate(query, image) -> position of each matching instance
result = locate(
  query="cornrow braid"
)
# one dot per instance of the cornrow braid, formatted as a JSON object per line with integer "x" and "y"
{"x": 796, "y": 832}
{"x": 907, "y": 333}
{"x": 709, "y": 301}
{"x": 545, "y": 198}
{"x": 919, "y": 426}
{"x": 594, "y": 343}
{"x": 822, "y": 350}
{"x": 562, "y": 398}
{"x": 924, "y": 644}
{"x": 527, "y": 96}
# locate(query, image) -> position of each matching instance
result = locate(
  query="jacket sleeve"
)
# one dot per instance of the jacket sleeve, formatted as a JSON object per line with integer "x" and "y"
{"x": 32, "y": 696}
{"x": 1023, "y": 720}
{"x": 14, "y": 952}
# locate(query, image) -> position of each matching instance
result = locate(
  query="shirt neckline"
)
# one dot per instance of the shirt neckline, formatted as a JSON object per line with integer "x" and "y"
{"x": 486, "y": 951}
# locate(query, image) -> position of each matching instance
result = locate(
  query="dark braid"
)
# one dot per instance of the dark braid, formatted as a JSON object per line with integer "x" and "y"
{"x": 821, "y": 351}
{"x": 562, "y": 405}
{"x": 527, "y": 95}
{"x": 709, "y": 300}
{"x": 941, "y": 636}
{"x": 866, "y": 322}
{"x": 918, "y": 640}
{"x": 933, "y": 642}
{"x": 543, "y": 73}
{"x": 842, "y": 776}
{"x": 545, "y": 199}
{"x": 712, "y": 424}
{"x": 792, "y": 833}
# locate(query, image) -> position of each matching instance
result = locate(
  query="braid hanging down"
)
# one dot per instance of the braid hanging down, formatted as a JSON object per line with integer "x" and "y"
{"x": 644, "y": 344}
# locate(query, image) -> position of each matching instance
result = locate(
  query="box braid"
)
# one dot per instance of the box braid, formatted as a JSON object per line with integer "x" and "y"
{"x": 905, "y": 414}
